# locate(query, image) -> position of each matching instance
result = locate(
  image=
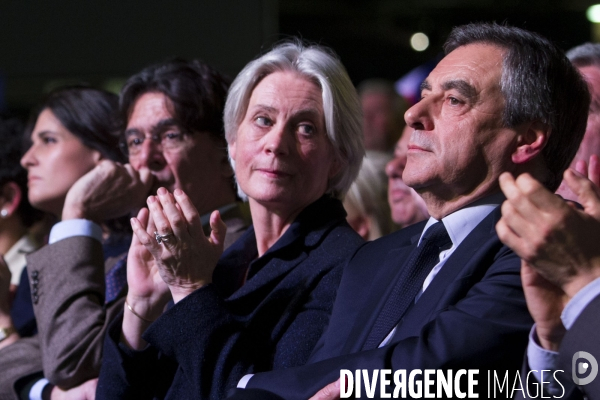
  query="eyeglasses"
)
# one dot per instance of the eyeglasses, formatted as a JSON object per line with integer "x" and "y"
{"x": 131, "y": 145}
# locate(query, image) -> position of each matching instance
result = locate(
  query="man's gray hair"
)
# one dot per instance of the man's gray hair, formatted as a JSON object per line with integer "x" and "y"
{"x": 585, "y": 54}
{"x": 539, "y": 84}
{"x": 341, "y": 106}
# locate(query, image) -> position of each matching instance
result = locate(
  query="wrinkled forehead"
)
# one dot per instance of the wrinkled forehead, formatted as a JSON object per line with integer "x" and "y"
{"x": 477, "y": 65}
{"x": 150, "y": 110}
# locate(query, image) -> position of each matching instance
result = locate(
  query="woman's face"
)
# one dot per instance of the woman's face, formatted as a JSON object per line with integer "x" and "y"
{"x": 283, "y": 157}
{"x": 55, "y": 161}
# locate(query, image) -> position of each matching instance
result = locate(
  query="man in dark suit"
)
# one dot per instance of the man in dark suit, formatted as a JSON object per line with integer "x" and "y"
{"x": 502, "y": 100}
{"x": 173, "y": 136}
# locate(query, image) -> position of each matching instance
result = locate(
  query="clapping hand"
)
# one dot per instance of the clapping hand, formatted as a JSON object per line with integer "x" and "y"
{"x": 148, "y": 293}
{"x": 556, "y": 242}
{"x": 559, "y": 241}
{"x": 185, "y": 257}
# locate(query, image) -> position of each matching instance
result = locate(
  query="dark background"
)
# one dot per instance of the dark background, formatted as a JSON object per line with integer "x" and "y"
{"x": 45, "y": 44}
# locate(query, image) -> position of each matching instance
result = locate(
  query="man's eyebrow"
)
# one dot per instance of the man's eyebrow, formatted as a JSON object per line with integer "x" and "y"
{"x": 425, "y": 85}
{"x": 132, "y": 131}
{"x": 164, "y": 123}
{"x": 462, "y": 87}
{"x": 159, "y": 127}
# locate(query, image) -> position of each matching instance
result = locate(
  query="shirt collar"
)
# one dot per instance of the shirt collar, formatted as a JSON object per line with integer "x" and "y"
{"x": 461, "y": 222}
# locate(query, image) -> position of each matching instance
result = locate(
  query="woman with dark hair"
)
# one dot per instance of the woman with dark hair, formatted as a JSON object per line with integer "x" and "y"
{"x": 87, "y": 113}
{"x": 72, "y": 132}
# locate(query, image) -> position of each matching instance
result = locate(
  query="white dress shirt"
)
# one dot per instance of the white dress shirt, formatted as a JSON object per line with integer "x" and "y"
{"x": 459, "y": 225}
{"x": 15, "y": 256}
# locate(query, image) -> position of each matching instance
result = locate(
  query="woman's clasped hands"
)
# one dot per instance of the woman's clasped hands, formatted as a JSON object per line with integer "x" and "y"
{"x": 172, "y": 234}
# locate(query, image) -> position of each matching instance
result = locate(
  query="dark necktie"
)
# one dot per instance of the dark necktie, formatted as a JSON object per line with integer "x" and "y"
{"x": 116, "y": 279}
{"x": 420, "y": 263}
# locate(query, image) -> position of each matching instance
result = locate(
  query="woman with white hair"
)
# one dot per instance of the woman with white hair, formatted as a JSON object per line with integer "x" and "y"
{"x": 293, "y": 128}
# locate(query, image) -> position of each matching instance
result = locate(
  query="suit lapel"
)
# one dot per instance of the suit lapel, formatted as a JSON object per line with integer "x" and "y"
{"x": 386, "y": 280}
{"x": 455, "y": 277}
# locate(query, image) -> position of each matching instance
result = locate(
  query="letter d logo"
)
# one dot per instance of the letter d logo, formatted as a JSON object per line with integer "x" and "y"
{"x": 583, "y": 367}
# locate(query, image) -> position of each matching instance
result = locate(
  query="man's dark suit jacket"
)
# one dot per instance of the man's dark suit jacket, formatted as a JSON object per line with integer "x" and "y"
{"x": 225, "y": 330}
{"x": 583, "y": 336}
{"x": 472, "y": 315}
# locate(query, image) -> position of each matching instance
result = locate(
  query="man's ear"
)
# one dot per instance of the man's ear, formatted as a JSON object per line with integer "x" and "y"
{"x": 531, "y": 141}
{"x": 11, "y": 197}
{"x": 97, "y": 157}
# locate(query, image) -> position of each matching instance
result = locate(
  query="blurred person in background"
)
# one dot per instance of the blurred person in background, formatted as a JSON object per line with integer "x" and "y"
{"x": 407, "y": 206}
{"x": 366, "y": 203}
{"x": 16, "y": 218}
{"x": 71, "y": 133}
{"x": 586, "y": 58}
{"x": 383, "y": 110}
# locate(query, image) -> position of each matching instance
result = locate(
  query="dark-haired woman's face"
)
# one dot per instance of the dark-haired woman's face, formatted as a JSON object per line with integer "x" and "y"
{"x": 55, "y": 161}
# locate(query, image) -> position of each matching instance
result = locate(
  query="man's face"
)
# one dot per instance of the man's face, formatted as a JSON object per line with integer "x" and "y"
{"x": 378, "y": 120}
{"x": 406, "y": 205}
{"x": 192, "y": 163}
{"x": 459, "y": 145}
{"x": 591, "y": 140}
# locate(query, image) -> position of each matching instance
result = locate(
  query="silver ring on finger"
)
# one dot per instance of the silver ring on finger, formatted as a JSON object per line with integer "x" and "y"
{"x": 163, "y": 238}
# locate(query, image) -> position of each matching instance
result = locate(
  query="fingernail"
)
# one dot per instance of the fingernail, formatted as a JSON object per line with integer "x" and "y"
{"x": 178, "y": 192}
{"x": 132, "y": 221}
{"x": 162, "y": 191}
{"x": 151, "y": 199}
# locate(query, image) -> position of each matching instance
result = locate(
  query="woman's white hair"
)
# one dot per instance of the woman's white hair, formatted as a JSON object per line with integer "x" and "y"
{"x": 341, "y": 106}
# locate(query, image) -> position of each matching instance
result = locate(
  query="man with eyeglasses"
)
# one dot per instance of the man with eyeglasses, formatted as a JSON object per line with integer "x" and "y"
{"x": 174, "y": 138}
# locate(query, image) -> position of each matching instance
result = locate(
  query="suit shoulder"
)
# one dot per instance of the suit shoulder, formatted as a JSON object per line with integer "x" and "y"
{"x": 334, "y": 249}
{"x": 343, "y": 237}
